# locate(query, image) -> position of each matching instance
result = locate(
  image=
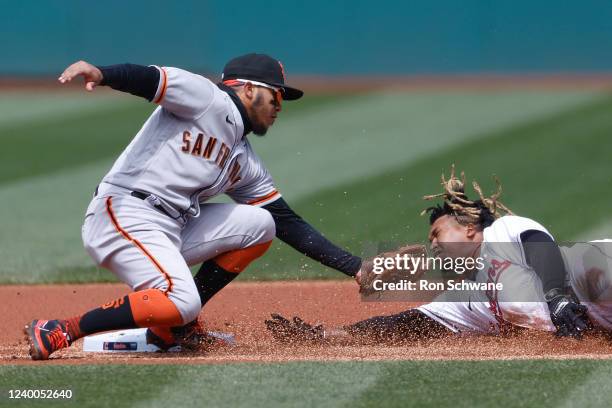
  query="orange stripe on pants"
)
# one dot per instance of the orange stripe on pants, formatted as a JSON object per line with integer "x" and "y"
{"x": 236, "y": 261}
{"x": 138, "y": 244}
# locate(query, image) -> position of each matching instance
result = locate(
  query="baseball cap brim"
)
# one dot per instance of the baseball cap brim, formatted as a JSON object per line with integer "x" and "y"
{"x": 289, "y": 93}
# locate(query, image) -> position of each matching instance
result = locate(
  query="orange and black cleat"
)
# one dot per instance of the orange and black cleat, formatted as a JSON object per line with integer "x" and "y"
{"x": 190, "y": 337}
{"x": 45, "y": 337}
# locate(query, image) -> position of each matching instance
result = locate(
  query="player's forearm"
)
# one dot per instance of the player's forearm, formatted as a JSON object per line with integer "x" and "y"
{"x": 408, "y": 325}
{"x": 137, "y": 80}
{"x": 294, "y": 231}
{"x": 543, "y": 254}
{"x": 338, "y": 336}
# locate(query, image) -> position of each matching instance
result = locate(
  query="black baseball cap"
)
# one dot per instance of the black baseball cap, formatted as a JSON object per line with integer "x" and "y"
{"x": 261, "y": 68}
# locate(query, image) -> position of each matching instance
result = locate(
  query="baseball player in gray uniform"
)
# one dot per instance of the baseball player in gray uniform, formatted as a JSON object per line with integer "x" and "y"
{"x": 150, "y": 218}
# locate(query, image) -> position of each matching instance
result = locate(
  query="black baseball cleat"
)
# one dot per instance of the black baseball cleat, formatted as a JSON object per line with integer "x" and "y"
{"x": 46, "y": 337}
{"x": 191, "y": 337}
{"x": 161, "y": 337}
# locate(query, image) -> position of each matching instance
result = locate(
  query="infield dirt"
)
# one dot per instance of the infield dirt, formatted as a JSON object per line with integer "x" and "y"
{"x": 242, "y": 308}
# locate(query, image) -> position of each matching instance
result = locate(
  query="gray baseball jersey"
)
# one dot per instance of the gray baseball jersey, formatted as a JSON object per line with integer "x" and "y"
{"x": 192, "y": 149}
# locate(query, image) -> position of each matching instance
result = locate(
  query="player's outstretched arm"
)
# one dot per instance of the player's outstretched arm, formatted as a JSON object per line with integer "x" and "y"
{"x": 135, "y": 79}
{"x": 90, "y": 73}
{"x": 303, "y": 237}
{"x": 410, "y": 325}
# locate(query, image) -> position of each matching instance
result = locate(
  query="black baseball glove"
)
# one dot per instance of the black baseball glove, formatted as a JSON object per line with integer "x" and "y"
{"x": 295, "y": 330}
{"x": 568, "y": 316}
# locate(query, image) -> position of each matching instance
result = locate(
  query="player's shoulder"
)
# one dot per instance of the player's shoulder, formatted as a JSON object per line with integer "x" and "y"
{"x": 509, "y": 228}
{"x": 188, "y": 81}
{"x": 180, "y": 73}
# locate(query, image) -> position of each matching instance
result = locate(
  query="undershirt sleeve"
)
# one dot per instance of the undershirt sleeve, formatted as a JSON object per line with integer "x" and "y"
{"x": 135, "y": 79}
{"x": 544, "y": 256}
{"x": 294, "y": 231}
{"x": 411, "y": 324}
{"x": 181, "y": 92}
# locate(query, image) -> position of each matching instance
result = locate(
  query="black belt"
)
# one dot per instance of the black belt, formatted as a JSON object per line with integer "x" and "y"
{"x": 144, "y": 196}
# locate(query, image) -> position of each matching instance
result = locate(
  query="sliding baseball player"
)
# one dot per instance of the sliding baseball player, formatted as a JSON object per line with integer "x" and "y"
{"x": 541, "y": 283}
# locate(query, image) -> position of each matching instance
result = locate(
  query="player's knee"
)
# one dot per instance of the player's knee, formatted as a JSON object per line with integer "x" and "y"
{"x": 259, "y": 233}
{"x": 256, "y": 224}
{"x": 264, "y": 225}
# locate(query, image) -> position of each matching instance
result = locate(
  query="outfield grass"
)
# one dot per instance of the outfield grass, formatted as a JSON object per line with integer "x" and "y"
{"x": 583, "y": 383}
{"x": 555, "y": 170}
{"x": 73, "y": 135}
{"x": 354, "y": 166}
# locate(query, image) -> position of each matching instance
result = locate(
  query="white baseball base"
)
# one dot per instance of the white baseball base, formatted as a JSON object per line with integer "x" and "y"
{"x": 135, "y": 341}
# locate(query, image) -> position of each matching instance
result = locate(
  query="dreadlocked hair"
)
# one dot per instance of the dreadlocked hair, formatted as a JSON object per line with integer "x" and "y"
{"x": 480, "y": 212}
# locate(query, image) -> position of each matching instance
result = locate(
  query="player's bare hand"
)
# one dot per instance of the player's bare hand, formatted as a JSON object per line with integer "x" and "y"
{"x": 358, "y": 277}
{"x": 90, "y": 73}
{"x": 295, "y": 330}
{"x": 368, "y": 275}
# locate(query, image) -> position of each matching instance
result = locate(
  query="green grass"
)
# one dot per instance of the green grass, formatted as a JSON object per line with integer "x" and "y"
{"x": 63, "y": 143}
{"x": 38, "y": 147}
{"x": 555, "y": 170}
{"x": 353, "y": 166}
{"x": 340, "y": 143}
{"x": 454, "y": 384}
{"x": 50, "y": 166}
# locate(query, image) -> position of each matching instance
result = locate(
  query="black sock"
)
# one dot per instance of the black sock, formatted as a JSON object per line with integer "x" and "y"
{"x": 115, "y": 315}
{"x": 210, "y": 279}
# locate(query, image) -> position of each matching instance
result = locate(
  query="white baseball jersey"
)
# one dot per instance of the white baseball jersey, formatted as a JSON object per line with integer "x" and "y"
{"x": 192, "y": 148}
{"x": 521, "y": 302}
